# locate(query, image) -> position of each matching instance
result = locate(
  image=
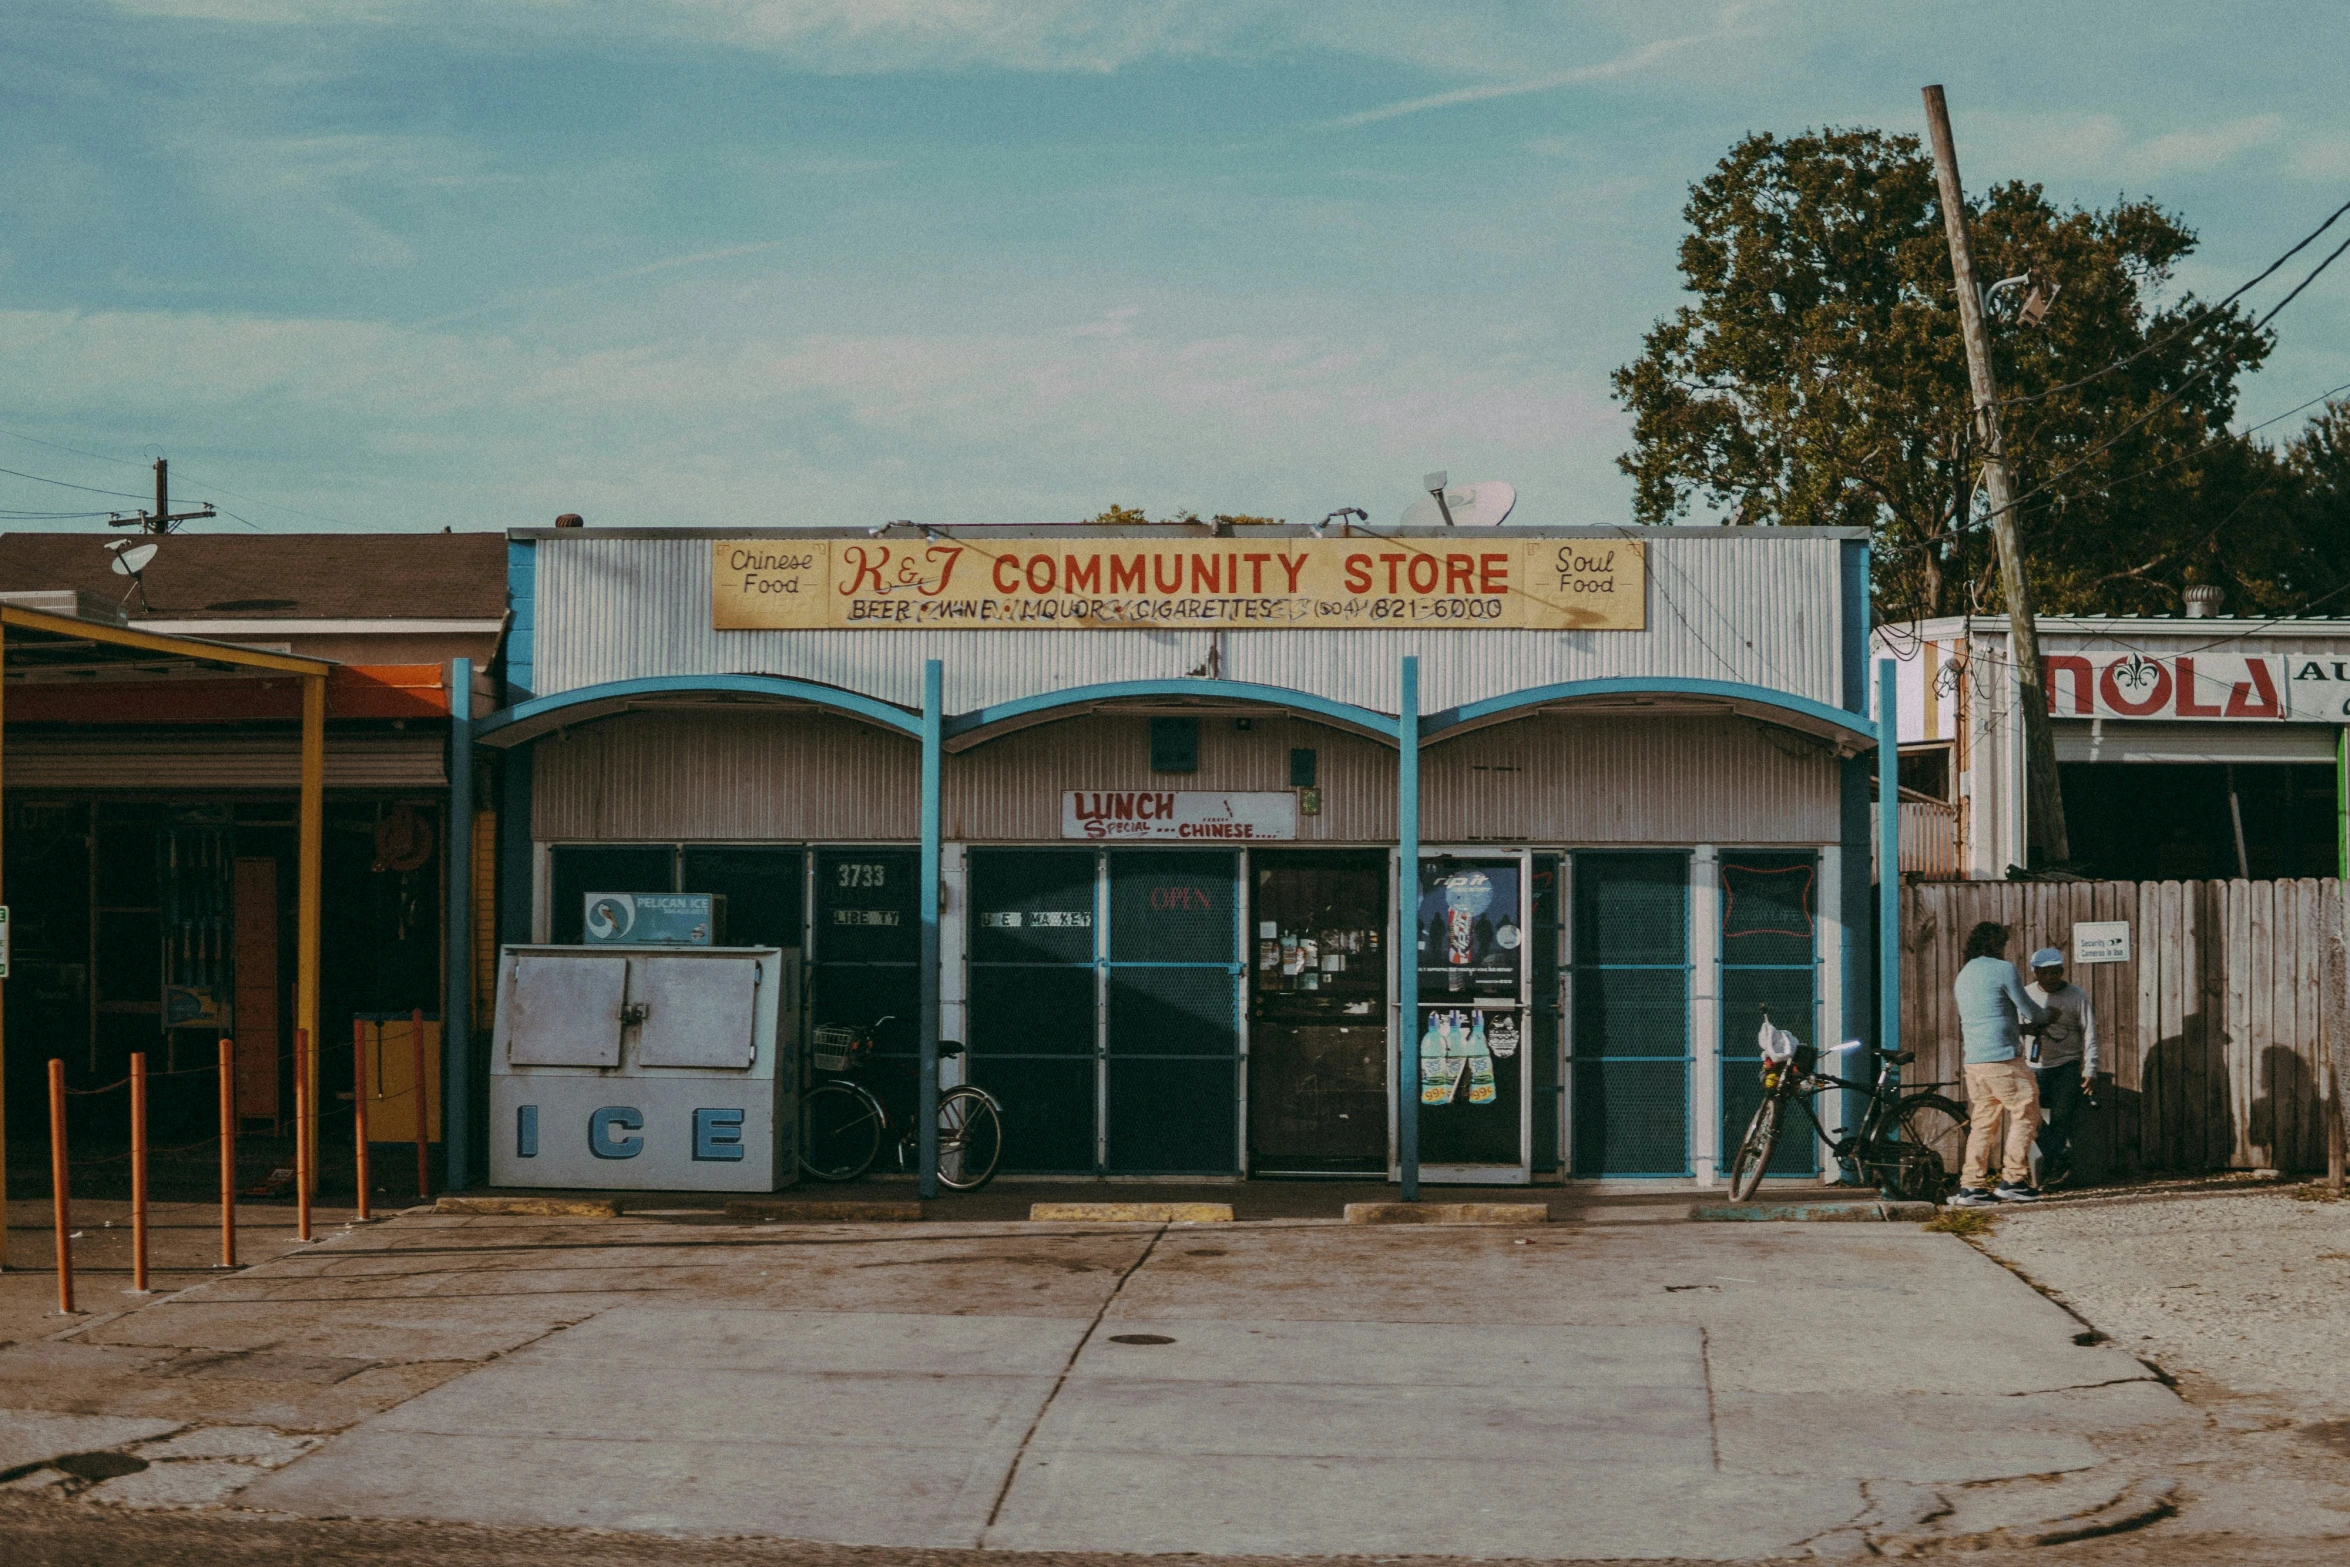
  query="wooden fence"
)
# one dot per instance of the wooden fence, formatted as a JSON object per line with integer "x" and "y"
{"x": 2216, "y": 1033}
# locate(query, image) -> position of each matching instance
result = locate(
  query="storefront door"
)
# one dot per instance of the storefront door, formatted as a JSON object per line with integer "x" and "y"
{"x": 1473, "y": 1026}
{"x": 1105, "y": 1007}
{"x": 1317, "y": 1041}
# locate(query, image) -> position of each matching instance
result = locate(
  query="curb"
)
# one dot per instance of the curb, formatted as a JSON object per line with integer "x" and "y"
{"x": 531, "y": 1207}
{"x": 1130, "y": 1213}
{"x": 1447, "y": 1213}
{"x": 1812, "y": 1212}
{"x": 893, "y": 1211}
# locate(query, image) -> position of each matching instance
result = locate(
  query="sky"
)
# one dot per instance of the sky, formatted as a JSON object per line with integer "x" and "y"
{"x": 415, "y": 264}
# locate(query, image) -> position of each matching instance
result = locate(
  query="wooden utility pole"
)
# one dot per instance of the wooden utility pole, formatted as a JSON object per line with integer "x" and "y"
{"x": 163, "y": 519}
{"x": 2044, "y": 828}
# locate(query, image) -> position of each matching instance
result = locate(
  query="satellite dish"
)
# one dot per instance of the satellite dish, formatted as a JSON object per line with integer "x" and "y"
{"x": 1480, "y": 505}
{"x": 131, "y": 559}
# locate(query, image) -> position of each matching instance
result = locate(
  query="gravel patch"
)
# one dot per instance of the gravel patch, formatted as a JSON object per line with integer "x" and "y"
{"x": 2251, "y": 1291}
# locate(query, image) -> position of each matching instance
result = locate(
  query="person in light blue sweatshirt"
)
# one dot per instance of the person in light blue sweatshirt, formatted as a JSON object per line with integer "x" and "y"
{"x": 1995, "y": 1015}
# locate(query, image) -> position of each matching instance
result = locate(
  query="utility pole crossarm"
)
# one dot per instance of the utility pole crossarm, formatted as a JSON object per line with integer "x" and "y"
{"x": 2044, "y": 814}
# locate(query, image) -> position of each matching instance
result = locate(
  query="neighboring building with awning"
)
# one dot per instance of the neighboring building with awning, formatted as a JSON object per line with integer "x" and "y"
{"x": 227, "y": 798}
{"x": 2188, "y": 748}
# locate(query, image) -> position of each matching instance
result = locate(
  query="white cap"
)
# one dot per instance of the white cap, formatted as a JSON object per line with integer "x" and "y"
{"x": 2048, "y": 957}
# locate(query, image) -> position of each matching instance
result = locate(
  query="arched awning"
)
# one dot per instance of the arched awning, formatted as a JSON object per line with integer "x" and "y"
{"x": 1849, "y": 733}
{"x": 527, "y": 721}
{"x": 966, "y": 730}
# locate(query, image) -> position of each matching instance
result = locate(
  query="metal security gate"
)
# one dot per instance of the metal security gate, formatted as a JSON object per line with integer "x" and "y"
{"x": 1628, "y": 1043}
{"x": 1105, "y": 1007}
{"x": 1770, "y": 960}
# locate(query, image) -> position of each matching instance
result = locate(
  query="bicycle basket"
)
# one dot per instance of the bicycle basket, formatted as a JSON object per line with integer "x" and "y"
{"x": 832, "y": 1047}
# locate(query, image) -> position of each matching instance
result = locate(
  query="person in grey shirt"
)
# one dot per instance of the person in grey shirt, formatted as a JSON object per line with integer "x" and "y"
{"x": 1994, "y": 1017}
{"x": 2064, "y": 1060}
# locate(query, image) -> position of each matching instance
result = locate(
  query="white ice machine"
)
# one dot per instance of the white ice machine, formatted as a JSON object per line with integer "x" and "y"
{"x": 646, "y": 1068}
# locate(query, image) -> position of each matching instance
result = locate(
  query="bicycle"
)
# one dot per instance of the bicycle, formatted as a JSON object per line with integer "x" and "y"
{"x": 1894, "y": 1147}
{"x": 843, "y": 1122}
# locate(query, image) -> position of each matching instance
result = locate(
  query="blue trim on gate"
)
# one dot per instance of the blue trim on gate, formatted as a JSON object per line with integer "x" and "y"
{"x": 1370, "y": 719}
{"x": 1435, "y": 726}
{"x": 832, "y": 697}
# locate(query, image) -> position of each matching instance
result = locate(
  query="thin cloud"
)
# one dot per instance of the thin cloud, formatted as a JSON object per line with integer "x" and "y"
{"x": 1621, "y": 65}
{"x": 533, "y": 295}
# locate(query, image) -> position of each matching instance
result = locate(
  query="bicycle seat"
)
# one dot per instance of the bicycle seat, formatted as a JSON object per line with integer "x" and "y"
{"x": 949, "y": 1047}
{"x": 1903, "y": 1058}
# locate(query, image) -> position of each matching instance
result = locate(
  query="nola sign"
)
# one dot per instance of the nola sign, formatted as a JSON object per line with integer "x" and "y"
{"x": 2127, "y": 683}
{"x": 1183, "y": 815}
{"x": 1040, "y": 582}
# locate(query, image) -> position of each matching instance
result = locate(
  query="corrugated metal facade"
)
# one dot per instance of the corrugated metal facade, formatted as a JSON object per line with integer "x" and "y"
{"x": 745, "y": 775}
{"x": 1755, "y": 606}
{"x": 99, "y": 761}
{"x": 1592, "y": 781}
{"x": 742, "y": 774}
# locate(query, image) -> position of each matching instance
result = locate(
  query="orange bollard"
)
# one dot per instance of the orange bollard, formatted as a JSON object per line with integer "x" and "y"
{"x": 423, "y": 1108}
{"x": 359, "y": 1108}
{"x": 139, "y": 1172}
{"x": 228, "y": 1153}
{"x": 302, "y": 1172}
{"x": 59, "y": 1209}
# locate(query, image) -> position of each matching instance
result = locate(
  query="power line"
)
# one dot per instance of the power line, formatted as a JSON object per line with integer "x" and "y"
{"x": 2174, "y": 394}
{"x": 76, "y": 450}
{"x": 61, "y": 484}
{"x": 2197, "y": 323}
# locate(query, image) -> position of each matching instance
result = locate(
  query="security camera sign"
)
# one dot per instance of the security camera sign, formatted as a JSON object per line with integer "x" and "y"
{"x": 2101, "y": 941}
{"x": 1093, "y": 583}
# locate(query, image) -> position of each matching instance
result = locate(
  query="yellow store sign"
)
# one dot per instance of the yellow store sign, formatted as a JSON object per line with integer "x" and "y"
{"x": 1042, "y": 583}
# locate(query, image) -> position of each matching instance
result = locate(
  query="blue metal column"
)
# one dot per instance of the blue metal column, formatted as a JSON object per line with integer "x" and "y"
{"x": 1888, "y": 859}
{"x": 457, "y": 935}
{"x": 933, "y": 744}
{"x": 1407, "y": 945}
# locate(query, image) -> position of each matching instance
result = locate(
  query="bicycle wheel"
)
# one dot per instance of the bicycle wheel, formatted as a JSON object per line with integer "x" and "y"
{"x": 970, "y": 1139}
{"x": 1932, "y": 1121}
{"x": 840, "y": 1132}
{"x": 1754, "y": 1153}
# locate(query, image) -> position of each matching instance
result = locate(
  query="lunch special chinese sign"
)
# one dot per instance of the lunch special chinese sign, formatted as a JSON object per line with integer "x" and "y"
{"x": 1035, "y": 583}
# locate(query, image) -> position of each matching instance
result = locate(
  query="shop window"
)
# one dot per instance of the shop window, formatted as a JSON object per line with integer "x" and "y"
{"x": 1174, "y": 745}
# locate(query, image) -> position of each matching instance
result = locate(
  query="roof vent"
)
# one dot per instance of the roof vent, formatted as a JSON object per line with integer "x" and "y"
{"x": 2203, "y": 601}
{"x": 571, "y": 519}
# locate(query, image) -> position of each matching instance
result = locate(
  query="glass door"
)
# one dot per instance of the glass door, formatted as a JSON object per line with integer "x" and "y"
{"x": 1317, "y": 1039}
{"x": 1470, "y": 937}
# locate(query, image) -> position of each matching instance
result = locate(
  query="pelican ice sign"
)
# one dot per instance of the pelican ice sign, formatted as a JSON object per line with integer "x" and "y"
{"x": 652, "y": 919}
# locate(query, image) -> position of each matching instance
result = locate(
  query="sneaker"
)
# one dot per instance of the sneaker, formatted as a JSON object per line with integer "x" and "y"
{"x": 1973, "y": 1197}
{"x": 2008, "y": 1191}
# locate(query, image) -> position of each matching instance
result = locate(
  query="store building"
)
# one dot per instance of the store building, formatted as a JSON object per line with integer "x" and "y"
{"x": 2187, "y": 748}
{"x": 1196, "y": 835}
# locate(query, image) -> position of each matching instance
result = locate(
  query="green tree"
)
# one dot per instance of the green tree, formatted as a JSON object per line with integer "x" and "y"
{"x": 1818, "y": 377}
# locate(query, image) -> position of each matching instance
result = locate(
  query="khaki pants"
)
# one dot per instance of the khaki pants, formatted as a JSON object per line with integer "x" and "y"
{"x": 1994, "y": 1089}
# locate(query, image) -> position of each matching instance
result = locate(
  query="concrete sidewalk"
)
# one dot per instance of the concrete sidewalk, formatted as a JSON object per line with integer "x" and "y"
{"x": 1591, "y": 1389}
